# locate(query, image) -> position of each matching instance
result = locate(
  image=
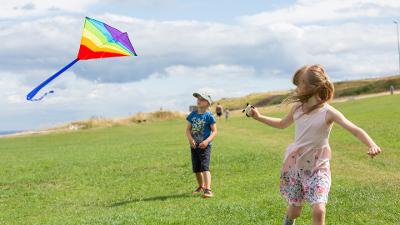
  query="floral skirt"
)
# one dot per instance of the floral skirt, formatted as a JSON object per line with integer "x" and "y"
{"x": 298, "y": 186}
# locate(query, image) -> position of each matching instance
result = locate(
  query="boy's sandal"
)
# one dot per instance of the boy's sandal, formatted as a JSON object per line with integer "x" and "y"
{"x": 198, "y": 190}
{"x": 208, "y": 193}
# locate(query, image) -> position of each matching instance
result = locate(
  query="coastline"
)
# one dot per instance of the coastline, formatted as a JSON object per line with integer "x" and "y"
{"x": 12, "y": 134}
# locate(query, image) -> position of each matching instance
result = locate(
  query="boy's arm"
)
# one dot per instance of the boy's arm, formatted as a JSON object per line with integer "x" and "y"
{"x": 214, "y": 133}
{"x": 192, "y": 142}
{"x": 337, "y": 117}
{"x": 274, "y": 122}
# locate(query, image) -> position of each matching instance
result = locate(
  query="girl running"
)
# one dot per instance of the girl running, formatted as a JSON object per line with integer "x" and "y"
{"x": 305, "y": 174}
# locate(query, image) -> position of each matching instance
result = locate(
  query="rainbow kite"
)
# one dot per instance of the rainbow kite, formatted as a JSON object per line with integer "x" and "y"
{"x": 99, "y": 40}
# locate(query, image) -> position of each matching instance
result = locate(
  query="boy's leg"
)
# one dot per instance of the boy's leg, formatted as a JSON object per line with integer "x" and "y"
{"x": 196, "y": 164}
{"x": 207, "y": 182}
{"x": 205, "y": 166}
{"x": 318, "y": 214}
{"x": 200, "y": 179}
{"x": 207, "y": 179}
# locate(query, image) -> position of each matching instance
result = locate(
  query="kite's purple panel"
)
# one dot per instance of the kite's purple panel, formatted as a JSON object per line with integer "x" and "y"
{"x": 120, "y": 36}
{"x": 124, "y": 39}
{"x": 115, "y": 33}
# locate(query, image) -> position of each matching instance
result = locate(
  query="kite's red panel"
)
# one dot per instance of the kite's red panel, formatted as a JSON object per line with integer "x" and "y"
{"x": 86, "y": 53}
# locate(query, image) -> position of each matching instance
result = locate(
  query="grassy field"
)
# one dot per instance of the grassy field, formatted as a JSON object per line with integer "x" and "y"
{"x": 141, "y": 174}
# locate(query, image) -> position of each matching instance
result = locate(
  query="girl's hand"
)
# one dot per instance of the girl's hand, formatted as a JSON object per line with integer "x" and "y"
{"x": 373, "y": 151}
{"x": 192, "y": 143}
{"x": 253, "y": 112}
{"x": 203, "y": 144}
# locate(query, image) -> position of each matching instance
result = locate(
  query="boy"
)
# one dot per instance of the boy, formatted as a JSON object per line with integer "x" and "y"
{"x": 200, "y": 131}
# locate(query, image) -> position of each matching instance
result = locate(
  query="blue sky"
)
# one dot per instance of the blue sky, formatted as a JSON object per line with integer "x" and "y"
{"x": 207, "y": 10}
{"x": 226, "y": 48}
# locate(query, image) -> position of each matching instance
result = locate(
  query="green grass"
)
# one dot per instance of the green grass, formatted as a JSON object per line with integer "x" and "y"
{"x": 142, "y": 174}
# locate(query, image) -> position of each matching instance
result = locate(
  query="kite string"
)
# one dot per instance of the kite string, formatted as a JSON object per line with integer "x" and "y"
{"x": 44, "y": 83}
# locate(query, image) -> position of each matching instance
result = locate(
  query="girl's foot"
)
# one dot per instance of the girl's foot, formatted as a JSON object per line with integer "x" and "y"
{"x": 208, "y": 193}
{"x": 198, "y": 190}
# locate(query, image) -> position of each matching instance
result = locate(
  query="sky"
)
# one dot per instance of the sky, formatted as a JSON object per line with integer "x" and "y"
{"x": 226, "y": 48}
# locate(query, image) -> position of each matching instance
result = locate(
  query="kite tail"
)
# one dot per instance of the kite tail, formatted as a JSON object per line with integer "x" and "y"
{"x": 32, "y": 94}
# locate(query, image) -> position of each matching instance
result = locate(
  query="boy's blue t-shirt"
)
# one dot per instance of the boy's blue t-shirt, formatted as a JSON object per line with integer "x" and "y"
{"x": 201, "y": 125}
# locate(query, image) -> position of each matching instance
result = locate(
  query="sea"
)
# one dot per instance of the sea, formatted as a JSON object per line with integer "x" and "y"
{"x": 7, "y": 132}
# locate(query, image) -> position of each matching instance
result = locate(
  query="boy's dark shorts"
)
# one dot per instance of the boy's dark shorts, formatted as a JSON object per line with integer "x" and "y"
{"x": 201, "y": 159}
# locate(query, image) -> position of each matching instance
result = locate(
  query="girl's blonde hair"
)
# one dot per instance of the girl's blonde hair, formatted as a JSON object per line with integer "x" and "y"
{"x": 318, "y": 84}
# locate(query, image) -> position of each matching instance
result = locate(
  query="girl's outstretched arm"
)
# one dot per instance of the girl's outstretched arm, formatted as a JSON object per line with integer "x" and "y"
{"x": 334, "y": 115}
{"x": 271, "y": 121}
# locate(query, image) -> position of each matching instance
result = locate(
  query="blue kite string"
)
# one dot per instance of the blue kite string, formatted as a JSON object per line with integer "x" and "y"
{"x": 32, "y": 94}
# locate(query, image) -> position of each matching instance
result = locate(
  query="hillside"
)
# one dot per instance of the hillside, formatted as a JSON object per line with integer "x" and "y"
{"x": 342, "y": 89}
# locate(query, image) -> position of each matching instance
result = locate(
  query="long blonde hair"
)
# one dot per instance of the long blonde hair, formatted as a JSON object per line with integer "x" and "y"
{"x": 318, "y": 84}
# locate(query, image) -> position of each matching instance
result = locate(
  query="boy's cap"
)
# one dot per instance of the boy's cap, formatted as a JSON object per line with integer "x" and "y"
{"x": 206, "y": 96}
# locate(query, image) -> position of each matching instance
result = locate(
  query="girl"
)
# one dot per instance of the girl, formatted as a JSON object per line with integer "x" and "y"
{"x": 305, "y": 174}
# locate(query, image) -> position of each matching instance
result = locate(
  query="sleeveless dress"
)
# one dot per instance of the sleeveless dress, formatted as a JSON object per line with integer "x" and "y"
{"x": 305, "y": 174}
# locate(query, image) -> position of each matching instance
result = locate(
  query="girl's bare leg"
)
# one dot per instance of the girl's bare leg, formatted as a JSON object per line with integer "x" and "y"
{"x": 291, "y": 214}
{"x": 318, "y": 214}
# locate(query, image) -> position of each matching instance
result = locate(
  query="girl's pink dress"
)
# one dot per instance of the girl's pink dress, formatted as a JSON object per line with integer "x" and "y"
{"x": 305, "y": 174}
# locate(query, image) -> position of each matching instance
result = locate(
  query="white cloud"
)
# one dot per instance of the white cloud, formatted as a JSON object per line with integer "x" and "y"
{"x": 312, "y": 11}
